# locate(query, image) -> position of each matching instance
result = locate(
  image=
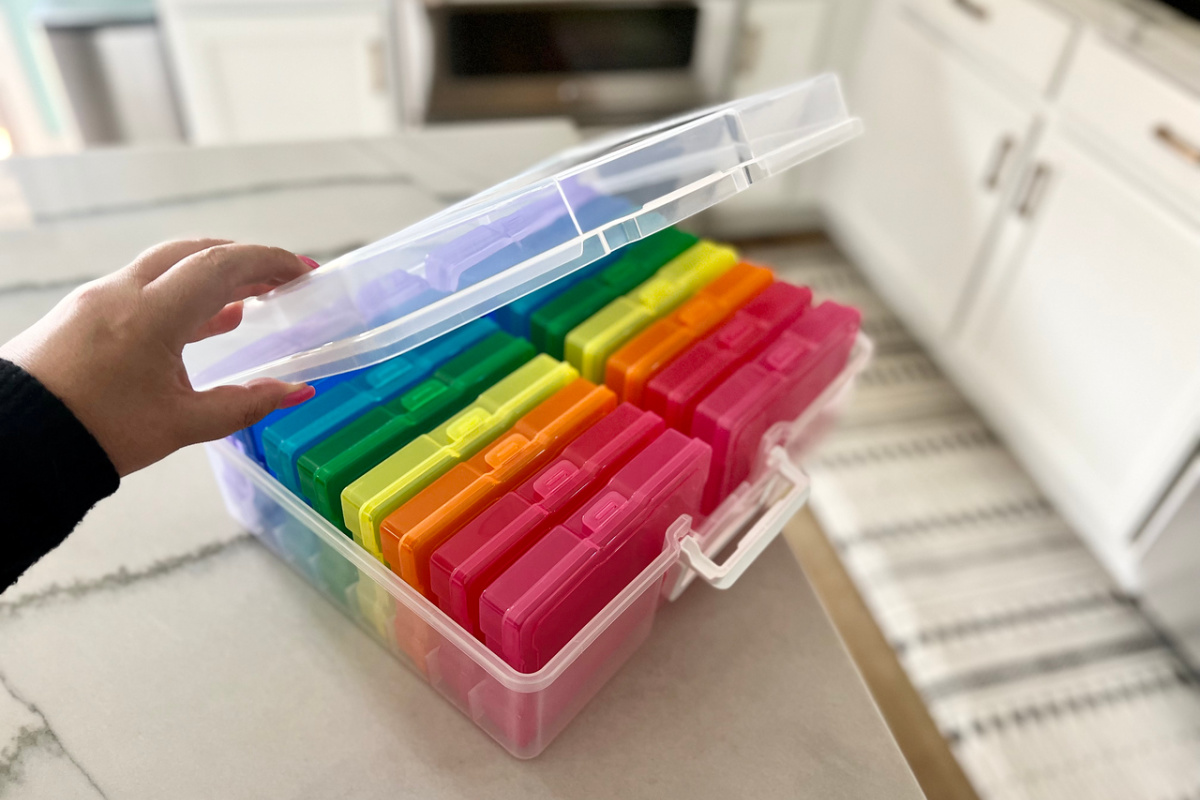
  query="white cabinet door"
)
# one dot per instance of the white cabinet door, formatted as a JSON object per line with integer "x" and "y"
{"x": 281, "y": 73}
{"x": 913, "y": 200}
{"x": 780, "y": 43}
{"x": 1085, "y": 345}
{"x": 1025, "y": 38}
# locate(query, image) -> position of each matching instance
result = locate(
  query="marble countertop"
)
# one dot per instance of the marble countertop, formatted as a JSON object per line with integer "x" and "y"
{"x": 162, "y": 652}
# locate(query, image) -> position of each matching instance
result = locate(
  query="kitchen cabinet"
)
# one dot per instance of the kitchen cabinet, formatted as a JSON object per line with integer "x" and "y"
{"x": 1169, "y": 560}
{"x": 914, "y": 200}
{"x": 781, "y": 42}
{"x": 1022, "y": 40}
{"x": 1025, "y": 197}
{"x": 1147, "y": 127}
{"x": 280, "y": 71}
{"x": 1085, "y": 344}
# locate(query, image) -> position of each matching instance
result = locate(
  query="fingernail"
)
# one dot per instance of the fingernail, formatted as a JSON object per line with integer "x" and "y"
{"x": 309, "y": 262}
{"x": 297, "y": 397}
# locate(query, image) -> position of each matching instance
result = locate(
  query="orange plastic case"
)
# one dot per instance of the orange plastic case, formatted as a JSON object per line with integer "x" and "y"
{"x": 631, "y": 368}
{"x": 411, "y": 533}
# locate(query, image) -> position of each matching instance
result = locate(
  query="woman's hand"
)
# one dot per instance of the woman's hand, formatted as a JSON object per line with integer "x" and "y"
{"x": 112, "y": 349}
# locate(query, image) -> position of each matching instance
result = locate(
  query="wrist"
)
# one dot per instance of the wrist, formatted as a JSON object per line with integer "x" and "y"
{"x": 40, "y": 368}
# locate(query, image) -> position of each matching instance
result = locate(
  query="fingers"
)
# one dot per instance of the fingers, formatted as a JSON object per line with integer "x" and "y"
{"x": 223, "y": 321}
{"x": 160, "y": 258}
{"x": 201, "y": 284}
{"x": 255, "y": 289}
{"x": 218, "y": 412}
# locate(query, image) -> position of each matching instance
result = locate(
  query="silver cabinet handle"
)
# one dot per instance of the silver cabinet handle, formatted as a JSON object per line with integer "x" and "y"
{"x": 749, "y": 49}
{"x": 1003, "y": 150}
{"x": 1185, "y": 149}
{"x": 1035, "y": 188}
{"x": 973, "y": 9}
{"x": 377, "y": 64}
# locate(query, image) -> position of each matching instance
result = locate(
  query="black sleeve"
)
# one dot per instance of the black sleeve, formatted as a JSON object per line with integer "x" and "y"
{"x": 52, "y": 471}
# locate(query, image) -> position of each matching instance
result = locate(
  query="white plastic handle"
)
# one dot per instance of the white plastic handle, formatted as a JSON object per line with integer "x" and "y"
{"x": 769, "y": 525}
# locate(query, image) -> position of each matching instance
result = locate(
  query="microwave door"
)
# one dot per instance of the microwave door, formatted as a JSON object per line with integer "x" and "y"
{"x": 597, "y": 62}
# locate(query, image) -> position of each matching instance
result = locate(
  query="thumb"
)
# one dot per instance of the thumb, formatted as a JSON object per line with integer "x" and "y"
{"x": 223, "y": 410}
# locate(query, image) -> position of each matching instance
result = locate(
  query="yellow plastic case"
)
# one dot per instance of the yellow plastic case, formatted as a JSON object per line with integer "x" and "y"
{"x": 590, "y": 344}
{"x": 367, "y": 501}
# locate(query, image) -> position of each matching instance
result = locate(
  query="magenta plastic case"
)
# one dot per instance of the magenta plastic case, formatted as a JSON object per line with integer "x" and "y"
{"x": 470, "y": 260}
{"x": 778, "y": 384}
{"x": 675, "y": 392}
{"x": 532, "y": 610}
{"x": 486, "y": 546}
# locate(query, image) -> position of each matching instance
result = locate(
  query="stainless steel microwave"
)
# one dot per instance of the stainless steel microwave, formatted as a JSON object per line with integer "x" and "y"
{"x": 598, "y": 61}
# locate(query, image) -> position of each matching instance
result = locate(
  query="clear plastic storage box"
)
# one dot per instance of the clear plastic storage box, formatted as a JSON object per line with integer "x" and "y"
{"x": 468, "y": 261}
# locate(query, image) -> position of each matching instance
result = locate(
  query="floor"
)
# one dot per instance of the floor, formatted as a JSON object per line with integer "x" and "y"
{"x": 1005, "y": 660}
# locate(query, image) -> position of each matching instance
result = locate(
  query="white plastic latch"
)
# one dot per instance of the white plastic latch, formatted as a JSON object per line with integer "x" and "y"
{"x": 764, "y": 531}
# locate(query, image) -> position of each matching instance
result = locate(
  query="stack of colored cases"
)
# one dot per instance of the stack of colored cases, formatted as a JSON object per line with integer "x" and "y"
{"x": 551, "y": 591}
{"x": 520, "y": 493}
{"x": 542, "y": 410}
{"x": 413, "y": 531}
{"x": 550, "y": 324}
{"x": 328, "y": 467}
{"x": 590, "y": 344}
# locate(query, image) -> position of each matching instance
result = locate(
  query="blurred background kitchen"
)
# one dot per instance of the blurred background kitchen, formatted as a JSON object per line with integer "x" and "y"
{"x": 1015, "y": 496}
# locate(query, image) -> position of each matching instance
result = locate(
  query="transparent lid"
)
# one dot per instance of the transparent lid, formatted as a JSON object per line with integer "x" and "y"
{"x": 476, "y": 256}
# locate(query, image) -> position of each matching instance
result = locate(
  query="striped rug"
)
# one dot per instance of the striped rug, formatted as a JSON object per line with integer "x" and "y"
{"x": 1045, "y": 680}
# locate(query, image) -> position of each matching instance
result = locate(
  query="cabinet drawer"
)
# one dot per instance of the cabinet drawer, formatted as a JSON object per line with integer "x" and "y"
{"x": 1024, "y": 37}
{"x": 1154, "y": 123}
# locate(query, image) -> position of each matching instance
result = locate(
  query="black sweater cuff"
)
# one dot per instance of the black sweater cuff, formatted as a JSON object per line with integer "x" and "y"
{"x": 52, "y": 471}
